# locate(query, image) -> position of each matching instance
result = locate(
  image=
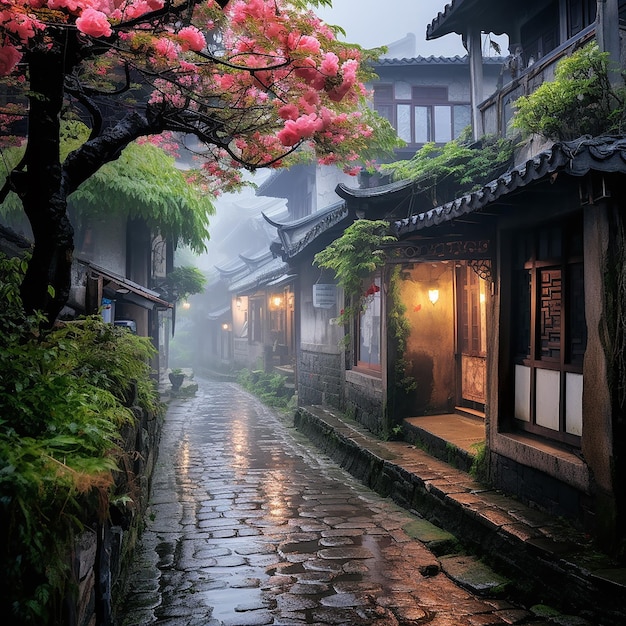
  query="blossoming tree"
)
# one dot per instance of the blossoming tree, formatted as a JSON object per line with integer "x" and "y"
{"x": 254, "y": 82}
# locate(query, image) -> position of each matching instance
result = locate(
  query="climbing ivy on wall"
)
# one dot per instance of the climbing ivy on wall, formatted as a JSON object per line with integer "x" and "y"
{"x": 398, "y": 331}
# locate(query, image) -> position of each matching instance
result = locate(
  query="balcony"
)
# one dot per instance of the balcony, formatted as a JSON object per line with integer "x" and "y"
{"x": 497, "y": 111}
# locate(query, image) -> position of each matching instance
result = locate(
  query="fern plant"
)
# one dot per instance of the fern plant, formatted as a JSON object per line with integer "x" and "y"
{"x": 143, "y": 182}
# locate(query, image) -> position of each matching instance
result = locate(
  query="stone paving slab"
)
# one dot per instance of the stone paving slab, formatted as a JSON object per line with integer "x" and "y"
{"x": 248, "y": 524}
{"x": 545, "y": 552}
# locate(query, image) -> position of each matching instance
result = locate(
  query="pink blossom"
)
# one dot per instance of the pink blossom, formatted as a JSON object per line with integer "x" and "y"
{"x": 9, "y": 58}
{"x": 329, "y": 159}
{"x": 289, "y": 136}
{"x": 189, "y": 67}
{"x": 309, "y": 101}
{"x": 72, "y": 6}
{"x": 324, "y": 31}
{"x": 225, "y": 82}
{"x": 275, "y": 30}
{"x": 94, "y": 23}
{"x": 307, "y": 125}
{"x": 330, "y": 64}
{"x": 336, "y": 94}
{"x": 289, "y": 112}
{"x": 23, "y": 26}
{"x": 166, "y": 48}
{"x": 308, "y": 45}
{"x": 191, "y": 39}
{"x": 348, "y": 69}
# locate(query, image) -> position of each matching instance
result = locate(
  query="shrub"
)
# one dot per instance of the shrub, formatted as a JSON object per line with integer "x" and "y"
{"x": 63, "y": 397}
{"x": 579, "y": 101}
{"x": 271, "y": 388}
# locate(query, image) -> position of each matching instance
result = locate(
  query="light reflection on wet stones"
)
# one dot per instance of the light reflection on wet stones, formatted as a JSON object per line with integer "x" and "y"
{"x": 253, "y": 528}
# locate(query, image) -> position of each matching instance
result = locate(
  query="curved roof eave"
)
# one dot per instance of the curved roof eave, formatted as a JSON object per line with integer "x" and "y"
{"x": 576, "y": 158}
{"x": 459, "y": 15}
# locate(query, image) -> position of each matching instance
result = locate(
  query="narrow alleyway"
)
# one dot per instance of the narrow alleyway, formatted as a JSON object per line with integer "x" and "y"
{"x": 248, "y": 525}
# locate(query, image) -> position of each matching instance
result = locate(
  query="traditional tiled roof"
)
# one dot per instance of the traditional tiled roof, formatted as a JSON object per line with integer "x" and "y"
{"x": 253, "y": 262}
{"x": 258, "y": 278}
{"x": 232, "y": 270}
{"x": 219, "y": 313}
{"x": 576, "y": 158}
{"x": 295, "y": 236}
{"x": 433, "y": 61}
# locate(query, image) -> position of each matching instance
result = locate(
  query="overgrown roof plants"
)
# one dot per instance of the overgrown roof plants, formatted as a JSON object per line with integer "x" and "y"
{"x": 579, "y": 101}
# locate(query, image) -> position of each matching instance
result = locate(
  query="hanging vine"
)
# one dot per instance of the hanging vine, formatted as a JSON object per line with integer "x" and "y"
{"x": 354, "y": 257}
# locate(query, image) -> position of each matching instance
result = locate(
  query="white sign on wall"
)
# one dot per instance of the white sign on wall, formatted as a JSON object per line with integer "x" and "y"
{"x": 324, "y": 296}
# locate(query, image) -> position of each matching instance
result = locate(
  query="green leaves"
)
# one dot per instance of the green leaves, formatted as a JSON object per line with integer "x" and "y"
{"x": 355, "y": 256}
{"x": 63, "y": 397}
{"x": 579, "y": 101}
{"x": 444, "y": 172}
{"x": 144, "y": 182}
{"x": 184, "y": 281}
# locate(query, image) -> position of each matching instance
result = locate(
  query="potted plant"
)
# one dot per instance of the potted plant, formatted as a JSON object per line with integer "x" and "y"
{"x": 176, "y": 377}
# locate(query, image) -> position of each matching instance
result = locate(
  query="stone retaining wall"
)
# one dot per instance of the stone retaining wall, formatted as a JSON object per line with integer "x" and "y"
{"x": 100, "y": 552}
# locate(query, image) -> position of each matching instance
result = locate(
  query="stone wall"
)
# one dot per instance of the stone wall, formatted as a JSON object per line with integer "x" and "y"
{"x": 101, "y": 552}
{"x": 536, "y": 488}
{"x": 319, "y": 378}
{"x": 364, "y": 400}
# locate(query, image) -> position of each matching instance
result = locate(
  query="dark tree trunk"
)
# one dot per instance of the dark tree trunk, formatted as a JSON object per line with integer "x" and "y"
{"x": 47, "y": 282}
{"x": 46, "y": 183}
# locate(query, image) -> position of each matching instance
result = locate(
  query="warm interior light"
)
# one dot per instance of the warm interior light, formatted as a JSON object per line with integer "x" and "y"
{"x": 186, "y": 305}
{"x": 238, "y": 303}
{"x": 433, "y": 295}
{"x": 277, "y": 301}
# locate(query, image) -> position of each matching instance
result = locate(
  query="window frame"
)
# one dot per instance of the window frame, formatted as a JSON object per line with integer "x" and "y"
{"x": 427, "y": 97}
{"x": 256, "y": 306}
{"x": 372, "y": 305}
{"x": 532, "y": 326}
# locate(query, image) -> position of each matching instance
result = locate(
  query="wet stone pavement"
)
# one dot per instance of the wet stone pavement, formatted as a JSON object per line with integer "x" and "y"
{"x": 249, "y": 525}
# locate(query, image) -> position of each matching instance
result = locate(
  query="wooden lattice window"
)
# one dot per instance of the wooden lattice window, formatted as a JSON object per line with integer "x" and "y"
{"x": 548, "y": 330}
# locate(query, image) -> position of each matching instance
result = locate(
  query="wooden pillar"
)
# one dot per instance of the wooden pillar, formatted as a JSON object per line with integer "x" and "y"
{"x": 474, "y": 48}
{"x": 607, "y": 36}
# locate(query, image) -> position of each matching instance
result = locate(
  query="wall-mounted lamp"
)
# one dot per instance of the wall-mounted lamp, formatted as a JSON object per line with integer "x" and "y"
{"x": 433, "y": 295}
{"x": 225, "y": 326}
{"x": 238, "y": 303}
{"x": 276, "y": 301}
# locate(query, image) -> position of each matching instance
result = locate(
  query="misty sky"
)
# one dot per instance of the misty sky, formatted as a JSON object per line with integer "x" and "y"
{"x": 372, "y": 23}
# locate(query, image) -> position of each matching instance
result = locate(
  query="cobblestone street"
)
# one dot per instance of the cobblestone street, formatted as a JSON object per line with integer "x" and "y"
{"x": 248, "y": 525}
